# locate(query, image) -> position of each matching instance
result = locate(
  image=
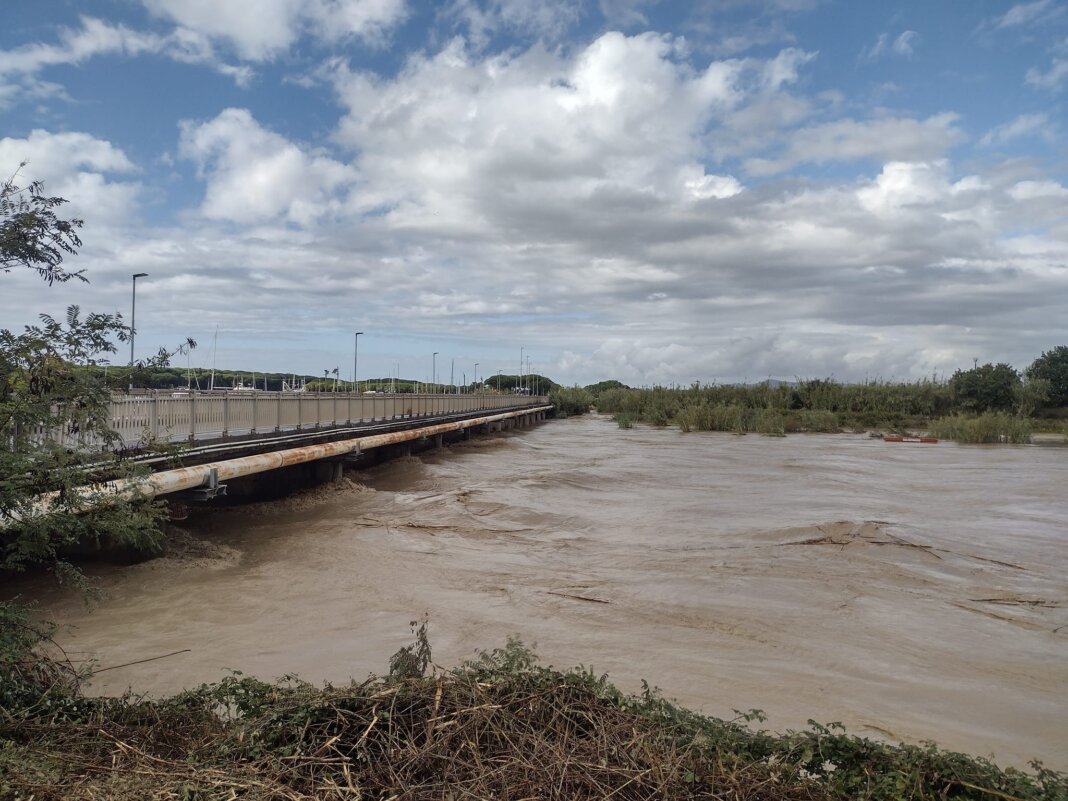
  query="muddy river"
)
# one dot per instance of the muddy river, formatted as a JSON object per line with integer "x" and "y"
{"x": 912, "y": 592}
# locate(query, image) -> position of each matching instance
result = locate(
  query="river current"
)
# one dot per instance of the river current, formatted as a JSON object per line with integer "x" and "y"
{"x": 912, "y": 592}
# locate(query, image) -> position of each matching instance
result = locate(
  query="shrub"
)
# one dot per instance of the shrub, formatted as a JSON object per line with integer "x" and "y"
{"x": 570, "y": 401}
{"x": 819, "y": 420}
{"x": 769, "y": 422}
{"x": 985, "y": 429}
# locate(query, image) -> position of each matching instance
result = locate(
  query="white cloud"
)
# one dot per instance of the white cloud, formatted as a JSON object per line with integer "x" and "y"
{"x": 262, "y": 29}
{"x": 905, "y": 43}
{"x": 588, "y": 200}
{"x": 1053, "y": 78}
{"x": 620, "y": 122}
{"x": 1024, "y": 126}
{"x": 884, "y": 139}
{"x": 625, "y": 13}
{"x": 1025, "y": 14}
{"x": 902, "y": 45}
{"x": 75, "y": 166}
{"x": 255, "y": 175}
{"x": 1030, "y": 190}
{"x": 95, "y": 37}
{"x": 482, "y": 19}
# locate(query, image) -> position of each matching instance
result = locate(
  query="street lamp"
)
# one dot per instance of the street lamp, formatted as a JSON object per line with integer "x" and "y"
{"x": 355, "y": 361}
{"x": 520, "y": 378}
{"x": 476, "y": 376}
{"x": 133, "y": 321}
{"x": 434, "y": 372}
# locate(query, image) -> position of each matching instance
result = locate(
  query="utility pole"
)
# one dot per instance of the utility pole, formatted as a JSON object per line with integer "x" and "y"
{"x": 355, "y": 361}
{"x": 133, "y": 321}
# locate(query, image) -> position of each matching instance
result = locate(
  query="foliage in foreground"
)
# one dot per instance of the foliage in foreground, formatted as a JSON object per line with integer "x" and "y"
{"x": 499, "y": 727}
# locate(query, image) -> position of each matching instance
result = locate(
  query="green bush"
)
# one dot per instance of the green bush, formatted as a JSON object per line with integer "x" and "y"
{"x": 819, "y": 420}
{"x": 570, "y": 401}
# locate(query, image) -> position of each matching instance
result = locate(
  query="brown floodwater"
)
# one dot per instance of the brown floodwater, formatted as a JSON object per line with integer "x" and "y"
{"x": 912, "y": 592}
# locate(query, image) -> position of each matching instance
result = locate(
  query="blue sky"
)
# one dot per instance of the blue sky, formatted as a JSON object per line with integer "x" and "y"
{"x": 651, "y": 191}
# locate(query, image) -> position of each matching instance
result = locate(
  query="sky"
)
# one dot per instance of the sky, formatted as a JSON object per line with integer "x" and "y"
{"x": 648, "y": 190}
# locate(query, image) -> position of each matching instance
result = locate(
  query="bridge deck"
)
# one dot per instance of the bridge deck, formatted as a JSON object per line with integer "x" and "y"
{"x": 207, "y": 417}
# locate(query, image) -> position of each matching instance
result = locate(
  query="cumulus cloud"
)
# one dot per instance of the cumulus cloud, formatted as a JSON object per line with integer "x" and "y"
{"x": 261, "y": 29}
{"x": 618, "y": 123}
{"x": 77, "y": 166}
{"x": 254, "y": 175}
{"x": 589, "y": 201}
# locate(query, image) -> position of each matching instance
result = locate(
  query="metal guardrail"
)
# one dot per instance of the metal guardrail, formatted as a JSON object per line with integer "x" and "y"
{"x": 199, "y": 417}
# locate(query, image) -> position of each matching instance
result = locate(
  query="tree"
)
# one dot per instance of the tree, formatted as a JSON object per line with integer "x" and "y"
{"x": 985, "y": 388}
{"x": 1052, "y": 367}
{"x": 54, "y": 433}
{"x": 54, "y": 418}
{"x": 31, "y": 235}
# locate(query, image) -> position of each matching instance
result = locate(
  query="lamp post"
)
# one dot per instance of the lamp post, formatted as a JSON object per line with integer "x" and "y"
{"x": 498, "y": 382}
{"x": 519, "y": 380}
{"x": 355, "y": 361}
{"x": 434, "y": 372}
{"x": 133, "y": 321}
{"x": 476, "y": 374}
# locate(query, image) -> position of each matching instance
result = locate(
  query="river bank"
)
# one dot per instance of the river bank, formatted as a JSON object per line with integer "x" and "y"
{"x": 911, "y": 593}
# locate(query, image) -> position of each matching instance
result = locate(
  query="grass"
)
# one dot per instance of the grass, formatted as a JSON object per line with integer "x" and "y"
{"x": 501, "y": 726}
{"x": 986, "y": 429}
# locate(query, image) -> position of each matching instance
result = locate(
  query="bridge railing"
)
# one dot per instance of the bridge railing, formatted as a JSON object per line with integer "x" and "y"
{"x": 197, "y": 416}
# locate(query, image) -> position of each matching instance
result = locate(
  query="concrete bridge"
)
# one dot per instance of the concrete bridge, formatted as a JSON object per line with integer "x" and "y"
{"x": 227, "y": 436}
{"x": 234, "y": 416}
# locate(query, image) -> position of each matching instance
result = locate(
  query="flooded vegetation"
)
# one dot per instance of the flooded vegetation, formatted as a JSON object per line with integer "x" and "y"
{"x": 951, "y": 410}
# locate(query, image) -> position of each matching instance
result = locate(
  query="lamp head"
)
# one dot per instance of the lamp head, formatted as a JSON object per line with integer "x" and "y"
{"x": 139, "y": 275}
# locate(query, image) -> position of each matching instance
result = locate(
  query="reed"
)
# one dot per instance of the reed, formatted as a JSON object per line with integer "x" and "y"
{"x": 819, "y": 420}
{"x": 990, "y": 428}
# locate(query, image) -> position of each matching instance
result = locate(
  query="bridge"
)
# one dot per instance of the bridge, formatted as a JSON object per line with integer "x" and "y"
{"x": 226, "y": 435}
{"x": 229, "y": 416}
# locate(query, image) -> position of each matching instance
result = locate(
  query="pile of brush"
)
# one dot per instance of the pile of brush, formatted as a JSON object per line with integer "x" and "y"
{"x": 501, "y": 727}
